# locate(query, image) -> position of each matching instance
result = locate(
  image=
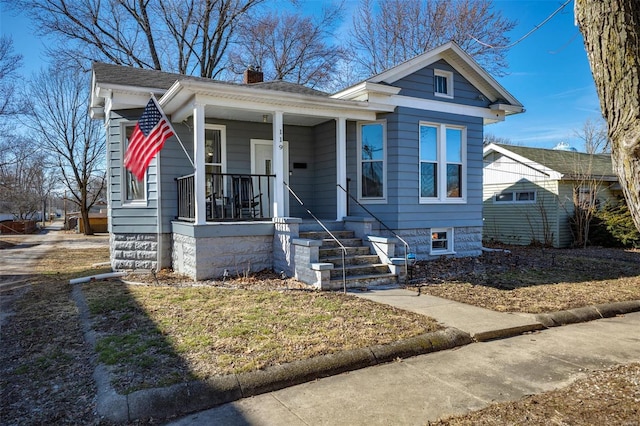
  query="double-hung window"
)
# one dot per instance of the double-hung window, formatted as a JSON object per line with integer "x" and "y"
{"x": 372, "y": 162}
{"x": 442, "y": 163}
{"x": 133, "y": 191}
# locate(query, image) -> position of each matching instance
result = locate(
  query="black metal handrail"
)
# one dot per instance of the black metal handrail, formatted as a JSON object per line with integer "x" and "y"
{"x": 228, "y": 197}
{"x": 342, "y": 247}
{"x": 402, "y": 240}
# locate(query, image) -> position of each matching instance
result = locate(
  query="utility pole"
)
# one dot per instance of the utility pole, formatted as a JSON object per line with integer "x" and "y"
{"x": 64, "y": 202}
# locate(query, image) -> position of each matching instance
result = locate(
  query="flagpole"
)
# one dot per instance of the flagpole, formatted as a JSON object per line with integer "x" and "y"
{"x": 174, "y": 132}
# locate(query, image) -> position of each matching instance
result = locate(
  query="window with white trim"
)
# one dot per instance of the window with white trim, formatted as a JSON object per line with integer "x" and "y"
{"x": 442, "y": 163}
{"x": 215, "y": 160}
{"x": 372, "y": 167}
{"x": 441, "y": 241}
{"x": 512, "y": 197}
{"x": 133, "y": 191}
{"x": 443, "y": 83}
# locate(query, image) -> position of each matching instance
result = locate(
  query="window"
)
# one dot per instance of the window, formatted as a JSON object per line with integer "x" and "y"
{"x": 442, "y": 163}
{"x": 510, "y": 197}
{"x": 443, "y": 83}
{"x": 372, "y": 162}
{"x": 442, "y": 241}
{"x": 215, "y": 153}
{"x": 134, "y": 190}
{"x": 586, "y": 197}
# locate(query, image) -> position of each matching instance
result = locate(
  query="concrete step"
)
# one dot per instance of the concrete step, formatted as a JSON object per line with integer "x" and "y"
{"x": 347, "y": 242}
{"x": 360, "y": 270}
{"x": 337, "y": 252}
{"x": 323, "y": 235}
{"x": 364, "y": 281}
{"x": 363, "y": 259}
{"x": 313, "y": 226}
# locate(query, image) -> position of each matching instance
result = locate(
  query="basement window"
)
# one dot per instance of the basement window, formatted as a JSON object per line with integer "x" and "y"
{"x": 441, "y": 241}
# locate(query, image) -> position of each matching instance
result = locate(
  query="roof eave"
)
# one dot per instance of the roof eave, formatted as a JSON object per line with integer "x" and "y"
{"x": 177, "y": 98}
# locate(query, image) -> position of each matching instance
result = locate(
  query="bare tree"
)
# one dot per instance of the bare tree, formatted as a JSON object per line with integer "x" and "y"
{"x": 75, "y": 142}
{"x": 491, "y": 138}
{"x": 611, "y": 30}
{"x": 10, "y": 63}
{"x": 187, "y": 36}
{"x": 594, "y": 136}
{"x": 582, "y": 207}
{"x": 24, "y": 179}
{"x": 290, "y": 47}
{"x": 393, "y": 31}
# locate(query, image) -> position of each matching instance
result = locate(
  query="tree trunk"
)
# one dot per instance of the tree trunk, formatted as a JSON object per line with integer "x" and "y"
{"x": 611, "y": 30}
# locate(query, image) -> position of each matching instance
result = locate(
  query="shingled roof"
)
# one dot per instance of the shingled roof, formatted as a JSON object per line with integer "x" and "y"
{"x": 145, "y": 78}
{"x": 569, "y": 163}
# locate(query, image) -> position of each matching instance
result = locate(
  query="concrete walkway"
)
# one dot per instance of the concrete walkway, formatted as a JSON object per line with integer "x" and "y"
{"x": 427, "y": 387}
{"x": 482, "y": 324}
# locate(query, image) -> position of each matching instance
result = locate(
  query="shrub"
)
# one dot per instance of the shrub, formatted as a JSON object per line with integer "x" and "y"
{"x": 613, "y": 226}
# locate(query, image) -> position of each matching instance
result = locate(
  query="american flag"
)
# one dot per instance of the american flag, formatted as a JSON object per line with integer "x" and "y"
{"x": 147, "y": 139}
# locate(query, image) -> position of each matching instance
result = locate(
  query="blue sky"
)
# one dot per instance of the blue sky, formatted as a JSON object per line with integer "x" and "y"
{"x": 548, "y": 71}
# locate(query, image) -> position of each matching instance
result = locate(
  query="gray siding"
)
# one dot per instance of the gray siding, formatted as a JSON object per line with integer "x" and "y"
{"x": 301, "y": 142}
{"x": 324, "y": 160}
{"x": 402, "y": 209}
{"x": 174, "y": 164}
{"x": 421, "y": 85}
{"x": 139, "y": 219}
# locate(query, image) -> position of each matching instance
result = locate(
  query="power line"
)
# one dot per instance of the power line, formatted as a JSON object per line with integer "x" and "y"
{"x": 536, "y": 28}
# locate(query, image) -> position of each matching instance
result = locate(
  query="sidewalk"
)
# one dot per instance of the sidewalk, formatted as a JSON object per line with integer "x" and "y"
{"x": 482, "y": 324}
{"x": 427, "y": 387}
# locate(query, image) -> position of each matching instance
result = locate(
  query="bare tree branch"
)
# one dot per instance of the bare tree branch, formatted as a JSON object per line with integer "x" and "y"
{"x": 290, "y": 47}
{"x": 66, "y": 132}
{"x": 393, "y": 31}
{"x": 594, "y": 135}
{"x": 171, "y": 35}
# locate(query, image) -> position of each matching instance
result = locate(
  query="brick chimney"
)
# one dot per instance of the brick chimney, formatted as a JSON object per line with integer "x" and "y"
{"x": 253, "y": 75}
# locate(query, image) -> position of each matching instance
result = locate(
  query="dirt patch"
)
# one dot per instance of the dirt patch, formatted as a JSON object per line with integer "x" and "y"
{"x": 535, "y": 280}
{"x": 610, "y": 397}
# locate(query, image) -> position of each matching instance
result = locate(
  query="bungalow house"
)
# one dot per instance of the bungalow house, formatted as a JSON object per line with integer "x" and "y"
{"x": 530, "y": 194}
{"x": 390, "y": 165}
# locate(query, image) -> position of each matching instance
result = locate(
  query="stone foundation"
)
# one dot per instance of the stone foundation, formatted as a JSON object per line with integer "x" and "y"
{"x": 237, "y": 255}
{"x": 133, "y": 251}
{"x": 467, "y": 242}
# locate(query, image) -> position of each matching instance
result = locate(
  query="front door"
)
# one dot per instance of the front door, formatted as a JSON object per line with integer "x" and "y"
{"x": 262, "y": 164}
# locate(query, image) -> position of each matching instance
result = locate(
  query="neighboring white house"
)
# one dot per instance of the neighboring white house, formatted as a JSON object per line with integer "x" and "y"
{"x": 530, "y": 193}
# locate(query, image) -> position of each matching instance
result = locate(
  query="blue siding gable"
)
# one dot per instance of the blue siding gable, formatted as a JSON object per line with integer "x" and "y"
{"x": 420, "y": 84}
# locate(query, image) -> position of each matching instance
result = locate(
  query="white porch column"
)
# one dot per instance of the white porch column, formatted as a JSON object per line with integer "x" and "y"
{"x": 198, "y": 155}
{"x": 278, "y": 165}
{"x": 341, "y": 167}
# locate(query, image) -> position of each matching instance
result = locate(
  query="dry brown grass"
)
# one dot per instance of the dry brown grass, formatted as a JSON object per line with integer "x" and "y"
{"x": 45, "y": 366}
{"x": 535, "y": 280}
{"x": 156, "y": 335}
{"x": 153, "y": 335}
{"x": 610, "y": 397}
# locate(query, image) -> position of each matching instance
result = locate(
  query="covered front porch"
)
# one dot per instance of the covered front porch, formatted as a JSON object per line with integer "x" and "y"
{"x": 247, "y": 150}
